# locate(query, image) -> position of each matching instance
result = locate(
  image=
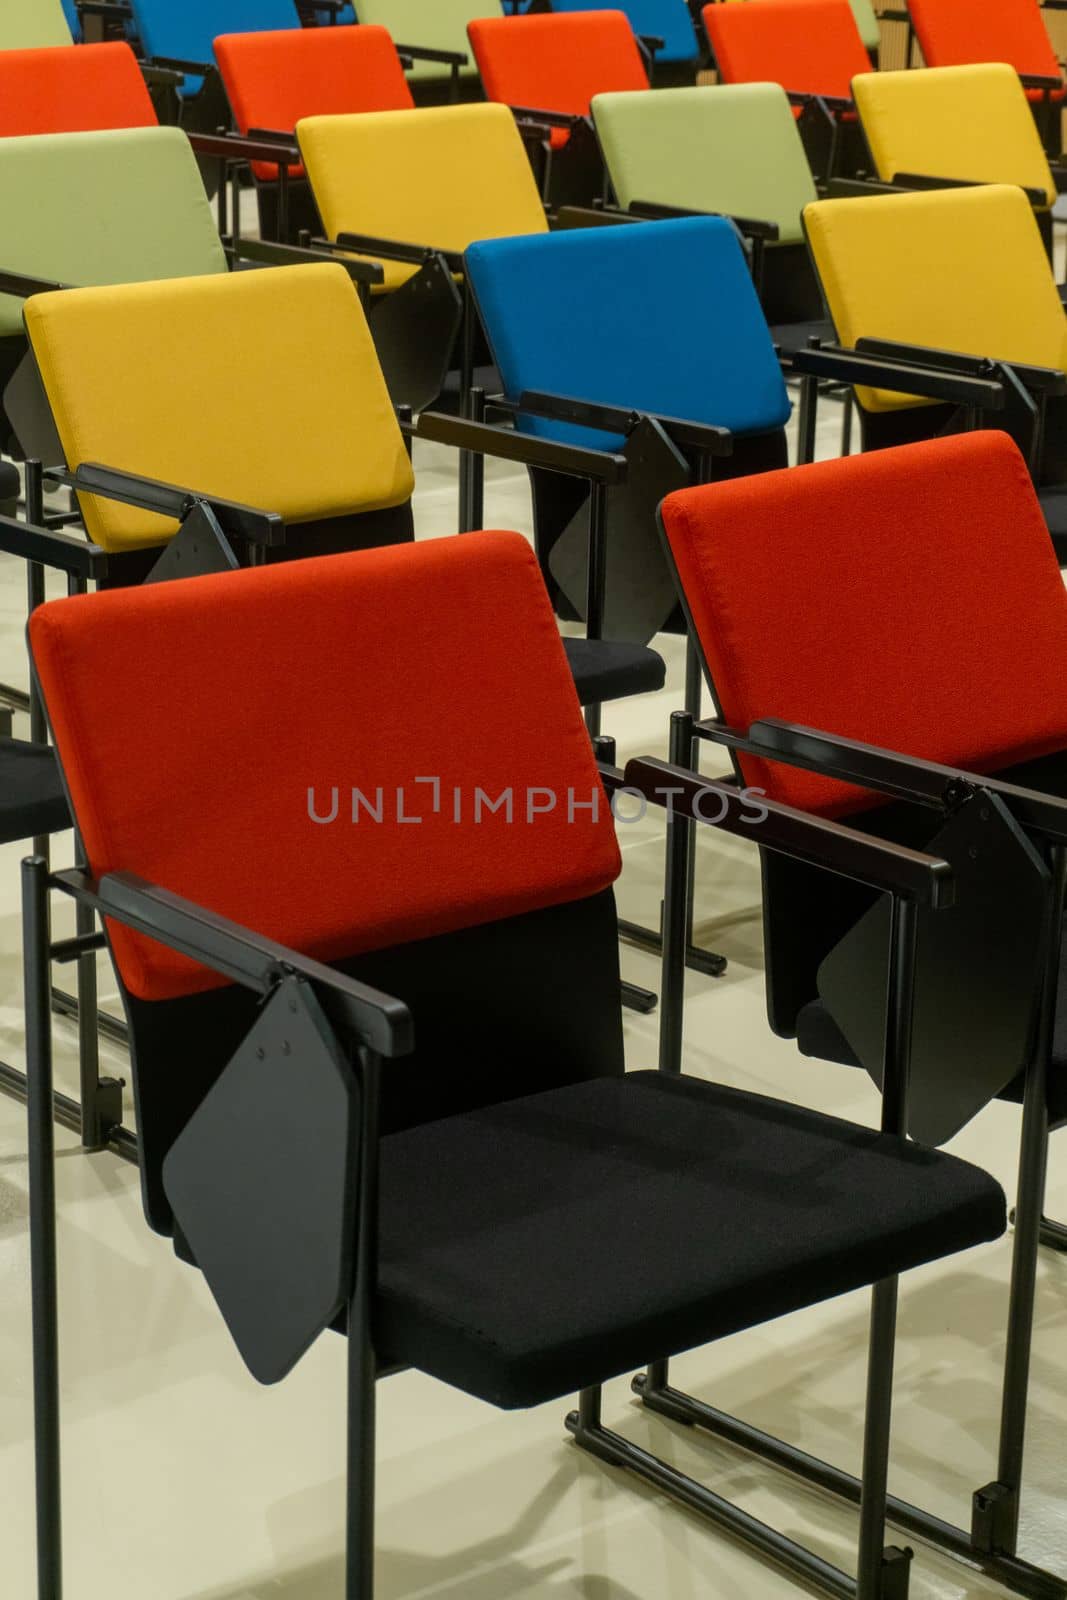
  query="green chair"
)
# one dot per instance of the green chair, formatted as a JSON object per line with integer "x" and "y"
{"x": 732, "y": 150}
{"x": 33, "y": 24}
{"x": 441, "y": 26}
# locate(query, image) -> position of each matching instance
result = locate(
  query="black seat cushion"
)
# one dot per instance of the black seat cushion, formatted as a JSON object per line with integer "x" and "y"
{"x": 31, "y": 796}
{"x": 540, "y": 1246}
{"x": 611, "y": 669}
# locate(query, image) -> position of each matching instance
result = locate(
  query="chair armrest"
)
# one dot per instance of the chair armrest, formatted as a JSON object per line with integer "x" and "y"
{"x": 830, "y": 103}
{"x": 1041, "y": 380}
{"x": 617, "y": 419}
{"x": 751, "y": 227}
{"x": 446, "y": 58}
{"x": 49, "y": 548}
{"x": 152, "y": 73}
{"x": 396, "y": 249}
{"x": 1035, "y": 80}
{"x": 20, "y": 284}
{"x": 853, "y": 188}
{"x": 239, "y": 147}
{"x": 903, "y": 377}
{"x": 238, "y": 953}
{"x": 924, "y": 180}
{"x": 187, "y": 69}
{"x": 272, "y": 254}
{"x": 546, "y": 119}
{"x": 599, "y": 466}
{"x": 901, "y": 777}
{"x": 891, "y": 868}
{"x": 169, "y": 500}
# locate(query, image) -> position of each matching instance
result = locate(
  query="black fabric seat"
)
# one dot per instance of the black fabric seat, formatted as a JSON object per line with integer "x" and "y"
{"x": 31, "y": 794}
{"x": 503, "y": 1231}
{"x": 611, "y": 669}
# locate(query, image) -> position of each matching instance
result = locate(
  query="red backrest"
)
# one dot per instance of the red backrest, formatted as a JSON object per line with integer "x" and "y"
{"x": 193, "y": 718}
{"x": 954, "y": 33}
{"x": 909, "y": 598}
{"x": 810, "y": 46}
{"x": 274, "y": 79}
{"x": 83, "y": 88}
{"x": 557, "y": 62}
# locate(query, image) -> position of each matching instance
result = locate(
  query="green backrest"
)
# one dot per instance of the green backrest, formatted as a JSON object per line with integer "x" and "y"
{"x": 124, "y": 206}
{"x": 33, "y": 24}
{"x": 440, "y": 25}
{"x": 733, "y": 148}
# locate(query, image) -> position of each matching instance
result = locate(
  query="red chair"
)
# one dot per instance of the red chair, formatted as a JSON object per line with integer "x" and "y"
{"x": 548, "y": 67}
{"x": 814, "y": 50}
{"x": 83, "y": 88}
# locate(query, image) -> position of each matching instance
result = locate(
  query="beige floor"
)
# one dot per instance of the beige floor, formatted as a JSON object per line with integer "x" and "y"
{"x": 184, "y": 1481}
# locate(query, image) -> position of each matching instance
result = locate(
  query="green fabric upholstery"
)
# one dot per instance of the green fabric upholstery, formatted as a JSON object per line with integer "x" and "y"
{"x": 733, "y": 148}
{"x": 124, "y": 206}
{"x": 440, "y": 26}
{"x": 33, "y": 24}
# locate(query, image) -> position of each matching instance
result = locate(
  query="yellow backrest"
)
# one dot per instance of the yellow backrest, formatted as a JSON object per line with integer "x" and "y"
{"x": 442, "y": 176}
{"x": 955, "y": 269}
{"x": 953, "y": 122}
{"x": 262, "y": 387}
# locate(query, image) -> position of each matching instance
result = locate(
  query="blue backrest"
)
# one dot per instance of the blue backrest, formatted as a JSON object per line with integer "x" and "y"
{"x": 71, "y": 13}
{"x": 660, "y": 317}
{"x": 668, "y": 20}
{"x": 185, "y": 30}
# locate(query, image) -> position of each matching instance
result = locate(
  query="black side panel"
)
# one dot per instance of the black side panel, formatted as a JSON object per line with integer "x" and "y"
{"x": 502, "y": 1010}
{"x": 790, "y": 291}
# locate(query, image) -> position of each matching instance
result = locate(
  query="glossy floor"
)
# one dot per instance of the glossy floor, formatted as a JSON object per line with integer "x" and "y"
{"x": 184, "y": 1481}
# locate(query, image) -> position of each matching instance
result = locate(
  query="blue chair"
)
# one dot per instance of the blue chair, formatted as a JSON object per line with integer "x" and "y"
{"x": 186, "y": 33}
{"x": 669, "y": 20}
{"x": 645, "y": 339}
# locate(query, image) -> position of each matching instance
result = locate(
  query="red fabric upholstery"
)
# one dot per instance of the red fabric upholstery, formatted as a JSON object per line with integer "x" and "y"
{"x": 909, "y": 598}
{"x": 809, "y": 48}
{"x": 82, "y": 88}
{"x": 557, "y": 62}
{"x": 274, "y": 79}
{"x": 191, "y": 719}
{"x": 955, "y": 33}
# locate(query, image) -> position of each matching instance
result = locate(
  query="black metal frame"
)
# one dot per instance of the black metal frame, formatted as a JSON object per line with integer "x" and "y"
{"x": 991, "y": 1541}
{"x": 371, "y": 1028}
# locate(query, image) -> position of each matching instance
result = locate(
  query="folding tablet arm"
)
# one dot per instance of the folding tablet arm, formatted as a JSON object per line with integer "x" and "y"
{"x": 453, "y": 59}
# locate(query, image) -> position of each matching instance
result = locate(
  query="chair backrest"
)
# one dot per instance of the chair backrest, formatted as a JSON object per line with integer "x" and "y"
{"x": 808, "y": 46}
{"x": 78, "y": 89}
{"x": 123, "y": 206}
{"x": 272, "y": 80}
{"x": 954, "y": 33}
{"x": 866, "y": 21}
{"x": 260, "y": 387}
{"x": 668, "y": 20}
{"x": 734, "y": 149}
{"x": 660, "y": 317}
{"x": 557, "y": 62}
{"x": 922, "y": 268}
{"x": 207, "y": 793}
{"x": 916, "y": 604}
{"x": 440, "y": 176}
{"x": 953, "y": 122}
{"x": 34, "y": 25}
{"x": 186, "y": 32}
{"x": 441, "y": 26}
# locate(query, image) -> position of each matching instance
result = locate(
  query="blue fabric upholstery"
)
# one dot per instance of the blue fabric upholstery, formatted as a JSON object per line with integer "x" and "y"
{"x": 71, "y": 12}
{"x": 187, "y": 32}
{"x": 660, "y": 317}
{"x": 668, "y": 20}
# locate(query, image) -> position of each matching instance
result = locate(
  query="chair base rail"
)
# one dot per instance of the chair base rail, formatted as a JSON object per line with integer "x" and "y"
{"x": 1021, "y": 1577}
{"x": 68, "y": 1112}
{"x": 697, "y": 958}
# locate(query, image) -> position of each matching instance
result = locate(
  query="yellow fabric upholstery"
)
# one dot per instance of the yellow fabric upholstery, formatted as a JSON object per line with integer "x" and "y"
{"x": 953, "y": 122}
{"x": 444, "y": 177}
{"x": 956, "y": 269}
{"x": 261, "y": 387}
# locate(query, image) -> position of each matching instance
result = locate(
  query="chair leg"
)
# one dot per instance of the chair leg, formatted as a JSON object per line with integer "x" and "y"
{"x": 359, "y": 1558}
{"x": 44, "y": 1287}
{"x": 882, "y": 1574}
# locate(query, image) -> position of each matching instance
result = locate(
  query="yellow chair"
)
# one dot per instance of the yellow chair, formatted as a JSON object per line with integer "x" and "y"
{"x": 955, "y": 270}
{"x": 257, "y": 387}
{"x": 411, "y": 190}
{"x": 969, "y": 123}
